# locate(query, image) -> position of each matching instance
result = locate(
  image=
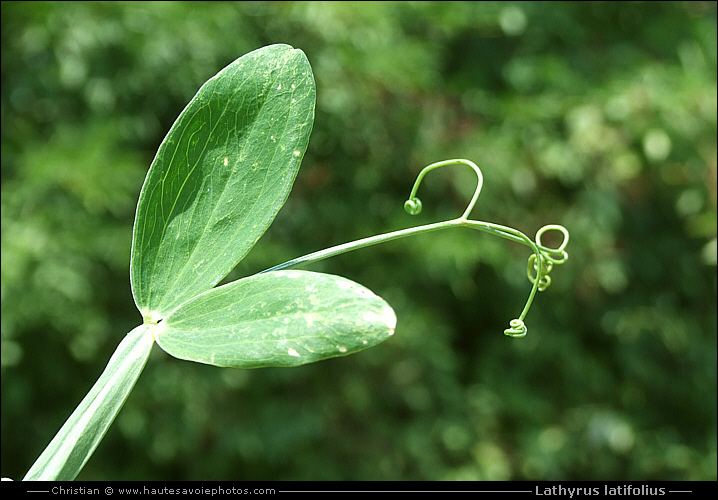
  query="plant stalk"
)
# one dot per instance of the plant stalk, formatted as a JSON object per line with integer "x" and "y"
{"x": 75, "y": 442}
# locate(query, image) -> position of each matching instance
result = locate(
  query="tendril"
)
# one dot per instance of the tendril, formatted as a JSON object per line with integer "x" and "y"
{"x": 413, "y": 204}
{"x": 539, "y": 266}
{"x": 534, "y": 267}
{"x": 517, "y": 329}
{"x": 552, "y": 253}
{"x": 540, "y": 263}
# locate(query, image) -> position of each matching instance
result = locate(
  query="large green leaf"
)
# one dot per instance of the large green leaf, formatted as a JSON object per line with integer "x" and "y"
{"x": 281, "y": 318}
{"x": 220, "y": 176}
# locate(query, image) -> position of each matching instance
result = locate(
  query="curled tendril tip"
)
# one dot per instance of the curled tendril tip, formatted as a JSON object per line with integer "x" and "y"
{"x": 413, "y": 206}
{"x": 517, "y": 329}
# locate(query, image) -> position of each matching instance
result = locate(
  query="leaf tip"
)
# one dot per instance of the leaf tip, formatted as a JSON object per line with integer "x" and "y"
{"x": 385, "y": 317}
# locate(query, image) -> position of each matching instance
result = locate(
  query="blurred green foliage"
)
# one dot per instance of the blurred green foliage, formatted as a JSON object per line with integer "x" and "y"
{"x": 598, "y": 116}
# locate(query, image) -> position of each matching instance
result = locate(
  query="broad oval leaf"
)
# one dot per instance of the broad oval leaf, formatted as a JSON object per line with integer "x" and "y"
{"x": 281, "y": 318}
{"x": 220, "y": 176}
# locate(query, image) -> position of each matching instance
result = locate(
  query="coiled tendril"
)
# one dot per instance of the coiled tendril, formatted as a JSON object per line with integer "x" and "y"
{"x": 413, "y": 204}
{"x": 548, "y": 257}
{"x": 540, "y": 263}
{"x": 517, "y": 329}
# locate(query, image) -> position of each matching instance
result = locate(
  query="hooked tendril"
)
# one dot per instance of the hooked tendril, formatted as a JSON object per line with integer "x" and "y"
{"x": 413, "y": 204}
{"x": 540, "y": 263}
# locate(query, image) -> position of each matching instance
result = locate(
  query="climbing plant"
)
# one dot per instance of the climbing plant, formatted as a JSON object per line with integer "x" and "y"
{"x": 218, "y": 180}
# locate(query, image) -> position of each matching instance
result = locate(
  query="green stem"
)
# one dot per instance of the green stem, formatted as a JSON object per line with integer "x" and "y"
{"x": 75, "y": 442}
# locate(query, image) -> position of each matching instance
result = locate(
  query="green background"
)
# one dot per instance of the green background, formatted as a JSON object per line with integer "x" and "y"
{"x": 598, "y": 116}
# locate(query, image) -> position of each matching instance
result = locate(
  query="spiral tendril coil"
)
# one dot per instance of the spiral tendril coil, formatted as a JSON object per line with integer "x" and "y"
{"x": 413, "y": 206}
{"x": 517, "y": 329}
{"x": 532, "y": 270}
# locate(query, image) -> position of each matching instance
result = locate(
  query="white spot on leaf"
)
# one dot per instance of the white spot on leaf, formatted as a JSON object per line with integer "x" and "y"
{"x": 386, "y": 316}
{"x": 292, "y": 352}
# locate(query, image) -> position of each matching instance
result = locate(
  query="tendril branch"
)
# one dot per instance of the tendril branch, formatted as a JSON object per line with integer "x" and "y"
{"x": 413, "y": 204}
